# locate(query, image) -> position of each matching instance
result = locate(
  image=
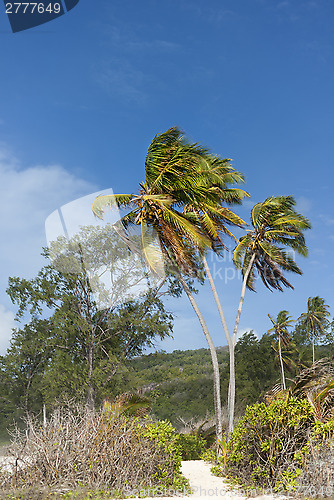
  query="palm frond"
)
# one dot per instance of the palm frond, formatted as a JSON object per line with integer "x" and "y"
{"x": 151, "y": 250}
{"x": 111, "y": 200}
{"x": 186, "y": 228}
{"x": 241, "y": 249}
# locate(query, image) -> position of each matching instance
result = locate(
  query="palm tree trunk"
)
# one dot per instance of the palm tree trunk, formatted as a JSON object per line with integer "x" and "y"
{"x": 230, "y": 341}
{"x": 313, "y": 352}
{"x": 215, "y": 294}
{"x": 231, "y": 389}
{"x": 281, "y": 361}
{"x": 216, "y": 377}
{"x": 242, "y": 297}
{"x": 228, "y": 338}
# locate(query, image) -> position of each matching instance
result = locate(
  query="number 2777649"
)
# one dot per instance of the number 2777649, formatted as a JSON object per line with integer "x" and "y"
{"x": 32, "y": 8}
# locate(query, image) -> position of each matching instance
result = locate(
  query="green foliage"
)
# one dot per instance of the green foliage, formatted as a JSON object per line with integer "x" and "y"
{"x": 255, "y": 369}
{"x": 276, "y": 225}
{"x": 127, "y": 403}
{"x": 315, "y": 320}
{"x": 191, "y": 446}
{"x": 164, "y": 437}
{"x": 70, "y": 348}
{"x": 269, "y": 442}
{"x": 179, "y": 383}
{"x": 181, "y": 199}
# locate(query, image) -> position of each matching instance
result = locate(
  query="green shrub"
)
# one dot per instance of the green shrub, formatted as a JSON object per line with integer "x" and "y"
{"x": 268, "y": 447}
{"x": 191, "y": 446}
{"x": 162, "y": 434}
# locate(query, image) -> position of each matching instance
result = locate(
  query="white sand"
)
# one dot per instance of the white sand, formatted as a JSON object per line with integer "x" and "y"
{"x": 205, "y": 485}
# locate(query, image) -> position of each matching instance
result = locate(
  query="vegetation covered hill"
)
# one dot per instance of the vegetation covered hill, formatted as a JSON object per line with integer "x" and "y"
{"x": 180, "y": 383}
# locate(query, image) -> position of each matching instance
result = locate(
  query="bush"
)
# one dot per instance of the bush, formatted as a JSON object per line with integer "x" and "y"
{"x": 165, "y": 440}
{"x": 95, "y": 449}
{"x": 191, "y": 446}
{"x": 270, "y": 443}
{"x": 318, "y": 469}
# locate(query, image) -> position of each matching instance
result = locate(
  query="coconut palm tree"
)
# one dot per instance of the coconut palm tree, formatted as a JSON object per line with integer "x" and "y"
{"x": 290, "y": 356}
{"x": 181, "y": 201}
{"x": 280, "y": 328}
{"x": 315, "y": 319}
{"x": 261, "y": 252}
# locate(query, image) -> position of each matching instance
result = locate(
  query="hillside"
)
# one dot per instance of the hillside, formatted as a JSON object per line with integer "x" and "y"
{"x": 178, "y": 383}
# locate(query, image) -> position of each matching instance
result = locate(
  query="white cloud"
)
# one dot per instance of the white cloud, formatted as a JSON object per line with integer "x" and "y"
{"x": 242, "y": 331}
{"x": 7, "y": 323}
{"x": 27, "y": 196}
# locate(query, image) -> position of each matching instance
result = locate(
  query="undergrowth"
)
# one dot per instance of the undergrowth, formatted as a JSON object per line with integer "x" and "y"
{"x": 106, "y": 450}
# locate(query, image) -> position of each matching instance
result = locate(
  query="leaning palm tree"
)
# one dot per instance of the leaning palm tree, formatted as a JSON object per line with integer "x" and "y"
{"x": 315, "y": 319}
{"x": 261, "y": 252}
{"x": 181, "y": 201}
{"x": 210, "y": 213}
{"x": 280, "y": 328}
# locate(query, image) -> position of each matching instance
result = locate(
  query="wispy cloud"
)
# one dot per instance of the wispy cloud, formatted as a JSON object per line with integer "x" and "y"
{"x": 293, "y": 11}
{"x": 316, "y": 49}
{"x": 304, "y": 204}
{"x": 28, "y": 194}
{"x": 131, "y": 46}
{"x": 125, "y": 39}
{"x": 121, "y": 79}
{"x": 283, "y": 5}
{"x": 206, "y": 12}
{"x": 327, "y": 219}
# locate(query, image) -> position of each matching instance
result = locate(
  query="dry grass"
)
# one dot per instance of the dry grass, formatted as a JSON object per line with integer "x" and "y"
{"x": 94, "y": 450}
{"x": 318, "y": 470}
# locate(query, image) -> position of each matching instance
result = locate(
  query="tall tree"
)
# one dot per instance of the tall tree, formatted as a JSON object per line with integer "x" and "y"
{"x": 84, "y": 343}
{"x": 181, "y": 199}
{"x": 315, "y": 320}
{"x": 276, "y": 225}
{"x": 280, "y": 328}
{"x": 255, "y": 368}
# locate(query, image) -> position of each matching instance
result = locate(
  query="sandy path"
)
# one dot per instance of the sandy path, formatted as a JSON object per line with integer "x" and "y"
{"x": 205, "y": 485}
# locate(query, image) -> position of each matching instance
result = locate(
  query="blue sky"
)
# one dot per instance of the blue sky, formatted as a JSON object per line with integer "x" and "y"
{"x": 82, "y": 97}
